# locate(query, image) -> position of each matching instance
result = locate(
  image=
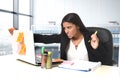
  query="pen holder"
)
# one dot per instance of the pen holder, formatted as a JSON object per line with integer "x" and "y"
{"x": 43, "y": 57}
{"x": 43, "y": 60}
{"x": 49, "y": 60}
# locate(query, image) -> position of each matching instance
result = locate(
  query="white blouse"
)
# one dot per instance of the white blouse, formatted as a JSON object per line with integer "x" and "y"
{"x": 77, "y": 54}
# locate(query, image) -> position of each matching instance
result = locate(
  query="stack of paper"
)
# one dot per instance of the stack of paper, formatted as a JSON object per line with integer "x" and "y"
{"x": 80, "y": 65}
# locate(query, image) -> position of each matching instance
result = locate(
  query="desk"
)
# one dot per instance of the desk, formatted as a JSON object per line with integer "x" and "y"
{"x": 12, "y": 69}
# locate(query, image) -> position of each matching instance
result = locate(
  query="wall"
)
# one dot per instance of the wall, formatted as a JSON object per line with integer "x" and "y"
{"x": 92, "y": 12}
{"x": 46, "y": 11}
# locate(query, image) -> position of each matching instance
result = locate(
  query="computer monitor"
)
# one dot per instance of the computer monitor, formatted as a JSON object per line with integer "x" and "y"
{"x": 25, "y": 49}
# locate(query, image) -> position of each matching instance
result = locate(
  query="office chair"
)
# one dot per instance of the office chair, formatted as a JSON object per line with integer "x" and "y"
{"x": 106, "y": 37}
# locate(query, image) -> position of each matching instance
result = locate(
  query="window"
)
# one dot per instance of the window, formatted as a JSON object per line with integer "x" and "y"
{"x": 24, "y": 22}
{"x": 23, "y": 7}
{"x": 15, "y": 13}
{"x": 6, "y": 5}
{"x": 23, "y": 14}
{"x": 6, "y": 21}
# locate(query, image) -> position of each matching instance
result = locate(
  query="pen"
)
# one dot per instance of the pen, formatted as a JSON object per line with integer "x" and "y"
{"x": 95, "y": 34}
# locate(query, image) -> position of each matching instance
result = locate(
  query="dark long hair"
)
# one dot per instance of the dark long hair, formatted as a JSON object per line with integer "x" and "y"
{"x": 74, "y": 19}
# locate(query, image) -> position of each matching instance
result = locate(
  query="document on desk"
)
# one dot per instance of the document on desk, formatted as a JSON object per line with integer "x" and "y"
{"x": 80, "y": 65}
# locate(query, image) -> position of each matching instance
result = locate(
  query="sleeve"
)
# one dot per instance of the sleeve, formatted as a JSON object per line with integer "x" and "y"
{"x": 55, "y": 38}
{"x": 102, "y": 54}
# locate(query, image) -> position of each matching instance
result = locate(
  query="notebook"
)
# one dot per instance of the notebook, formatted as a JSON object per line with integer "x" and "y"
{"x": 25, "y": 49}
{"x": 80, "y": 65}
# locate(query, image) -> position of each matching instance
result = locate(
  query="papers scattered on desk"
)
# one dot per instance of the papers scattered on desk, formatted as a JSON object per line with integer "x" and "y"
{"x": 84, "y": 66}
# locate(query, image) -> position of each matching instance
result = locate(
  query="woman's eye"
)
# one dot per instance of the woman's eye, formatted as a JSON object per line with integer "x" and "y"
{"x": 69, "y": 27}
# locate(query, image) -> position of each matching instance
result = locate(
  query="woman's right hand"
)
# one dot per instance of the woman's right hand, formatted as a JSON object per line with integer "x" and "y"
{"x": 11, "y": 30}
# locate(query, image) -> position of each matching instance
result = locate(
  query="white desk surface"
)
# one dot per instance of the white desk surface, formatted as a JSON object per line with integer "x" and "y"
{"x": 12, "y": 69}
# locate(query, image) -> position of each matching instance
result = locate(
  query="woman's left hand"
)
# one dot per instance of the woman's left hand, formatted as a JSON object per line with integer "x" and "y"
{"x": 94, "y": 41}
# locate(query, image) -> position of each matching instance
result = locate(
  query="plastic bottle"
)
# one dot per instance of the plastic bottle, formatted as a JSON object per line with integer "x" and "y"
{"x": 49, "y": 60}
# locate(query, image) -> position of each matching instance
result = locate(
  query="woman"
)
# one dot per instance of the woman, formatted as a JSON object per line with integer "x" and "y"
{"x": 77, "y": 43}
